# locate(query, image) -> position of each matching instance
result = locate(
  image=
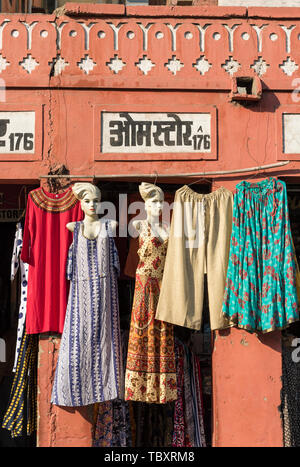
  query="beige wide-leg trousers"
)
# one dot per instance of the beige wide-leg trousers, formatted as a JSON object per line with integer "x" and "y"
{"x": 199, "y": 243}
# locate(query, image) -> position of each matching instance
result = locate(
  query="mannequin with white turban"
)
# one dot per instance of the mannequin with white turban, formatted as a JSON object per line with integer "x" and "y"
{"x": 150, "y": 368}
{"x": 154, "y": 199}
{"x": 89, "y": 196}
{"x": 90, "y": 366}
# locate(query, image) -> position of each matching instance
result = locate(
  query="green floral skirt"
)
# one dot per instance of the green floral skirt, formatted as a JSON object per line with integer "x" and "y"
{"x": 260, "y": 293}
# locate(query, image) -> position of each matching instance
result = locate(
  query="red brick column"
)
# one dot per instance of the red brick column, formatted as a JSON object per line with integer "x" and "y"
{"x": 246, "y": 389}
{"x": 58, "y": 426}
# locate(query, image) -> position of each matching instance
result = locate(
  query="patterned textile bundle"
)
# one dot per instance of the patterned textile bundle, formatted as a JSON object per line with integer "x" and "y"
{"x": 22, "y": 408}
{"x": 113, "y": 419}
{"x": 112, "y": 424}
{"x": 140, "y": 424}
{"x": 290, "y": 407}
{"x": 188, "y": 415}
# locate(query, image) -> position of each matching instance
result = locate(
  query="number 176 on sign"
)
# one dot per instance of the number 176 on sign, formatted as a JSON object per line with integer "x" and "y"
{"x": 19, "y": 141}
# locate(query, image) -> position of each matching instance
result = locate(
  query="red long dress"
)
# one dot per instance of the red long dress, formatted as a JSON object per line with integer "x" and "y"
{"x": 46, "y": 241}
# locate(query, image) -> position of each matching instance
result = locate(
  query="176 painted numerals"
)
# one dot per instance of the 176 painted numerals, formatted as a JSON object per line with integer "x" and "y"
{"x": 201, "y": 142}
{"x": 19, "y": 141}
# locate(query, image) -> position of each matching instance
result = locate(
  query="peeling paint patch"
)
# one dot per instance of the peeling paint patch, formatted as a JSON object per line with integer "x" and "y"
{"x": 244, "y": 342}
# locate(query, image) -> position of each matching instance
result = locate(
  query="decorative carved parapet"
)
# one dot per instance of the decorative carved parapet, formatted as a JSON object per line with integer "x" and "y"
{"x": 149, "y": 47}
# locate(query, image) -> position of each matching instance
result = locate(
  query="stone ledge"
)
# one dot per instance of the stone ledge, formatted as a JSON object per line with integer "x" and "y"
{"x": 207, "y": 11}
{"x": 91, "y": 9}
{"x": 274, "y": 12}
{"x": 211, "y": 11}
{"x": 96, "y": 9}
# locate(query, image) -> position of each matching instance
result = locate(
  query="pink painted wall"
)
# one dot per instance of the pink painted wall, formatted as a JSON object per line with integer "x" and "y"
{"x": 68, "y": 99}
{"x": 58, "y": 426}
{"x": 246, "y": 389}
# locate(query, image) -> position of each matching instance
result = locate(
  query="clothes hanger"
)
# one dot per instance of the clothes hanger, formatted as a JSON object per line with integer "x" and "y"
{"x": 204, "y": 179}
{"x": 57, "y": 184}
{"x": 22, "y": 215}
{"x": 259, "y": 173}
{"x": 210, "y": 181}
{"x": 156, "y": 177}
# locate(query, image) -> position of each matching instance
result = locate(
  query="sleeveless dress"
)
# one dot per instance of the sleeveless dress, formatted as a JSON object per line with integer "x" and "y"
{"x": 150, "y": 369}
{"x": 89, "y": 368}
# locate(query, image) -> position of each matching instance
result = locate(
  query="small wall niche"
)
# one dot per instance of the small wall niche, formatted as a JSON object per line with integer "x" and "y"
{"x": 245, "y": 88}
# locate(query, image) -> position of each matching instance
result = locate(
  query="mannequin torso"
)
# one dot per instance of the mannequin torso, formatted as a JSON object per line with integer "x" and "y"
{"x": 92, "y": 225}
{"x": 91, "y": 229}
{"x": 161, "y": 231}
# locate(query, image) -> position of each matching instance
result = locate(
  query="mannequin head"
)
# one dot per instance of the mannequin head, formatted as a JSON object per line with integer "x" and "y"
{"x": 154, "y": 199}
{"x": 89, "y": 196}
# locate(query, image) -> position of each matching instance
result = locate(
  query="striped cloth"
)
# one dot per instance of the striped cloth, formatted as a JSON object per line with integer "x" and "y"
{"x": 21, "y": 414}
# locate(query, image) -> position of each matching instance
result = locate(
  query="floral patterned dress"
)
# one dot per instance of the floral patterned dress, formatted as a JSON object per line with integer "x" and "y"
{"x": 150, "y": 369}
{"x": 261, "y": 293}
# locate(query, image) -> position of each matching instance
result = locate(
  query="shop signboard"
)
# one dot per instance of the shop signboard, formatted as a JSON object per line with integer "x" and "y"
{"x": 17, "y": 132}
{"x": 288, "y": 134}
{"x": 156, "y": 132}
{"x": 10, "y": 215}
{"x": 21, "y": 132}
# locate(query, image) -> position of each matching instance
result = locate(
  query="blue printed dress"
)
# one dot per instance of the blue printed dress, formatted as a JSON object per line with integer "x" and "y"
{"x": 260, "y": 293}
{"x": 89, "y": 367}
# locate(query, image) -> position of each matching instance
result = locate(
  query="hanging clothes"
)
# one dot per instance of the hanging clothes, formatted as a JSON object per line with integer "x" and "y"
{"x": 261, "y": 293}
{"x": 21, "y": 415}
{"x": 196, "y": 382}
{"x": 150, "y": 369}
{"x": 180, "y": 432}
{"x": 17, "y": 263}
{"x": 188, "y": 414}
{"x": 297, "y": 274}
{"x": 199, "y": 242}
{"x": 45, "y": 248}
{"x": 103, "y": 425}
{"x": 290, "y": 393}
{"x": 89, "y": 367}
{"x": 177, "y": 423}
{"x": 113, "y": 421}
{"x": 112, "y": 426}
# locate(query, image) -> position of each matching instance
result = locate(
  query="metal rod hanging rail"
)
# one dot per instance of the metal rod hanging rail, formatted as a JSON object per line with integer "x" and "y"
{"x": 67, "y": 176}
{"x": 180, "y": 175}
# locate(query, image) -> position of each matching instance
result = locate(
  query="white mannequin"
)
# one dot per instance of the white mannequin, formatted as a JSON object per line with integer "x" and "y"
{"x": 90, "y": 197}
{"x": 154, "y": 199}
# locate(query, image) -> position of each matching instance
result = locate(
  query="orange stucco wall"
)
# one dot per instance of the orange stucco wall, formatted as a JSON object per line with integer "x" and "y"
{"x": 246, "y": 389}
{"x": 67, "y": 99}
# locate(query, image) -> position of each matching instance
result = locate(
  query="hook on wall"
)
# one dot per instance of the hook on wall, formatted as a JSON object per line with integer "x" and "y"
{"x": 61, "y": 182}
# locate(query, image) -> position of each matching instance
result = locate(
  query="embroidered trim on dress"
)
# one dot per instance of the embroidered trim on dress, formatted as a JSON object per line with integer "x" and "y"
{"x": 62, "y": 204}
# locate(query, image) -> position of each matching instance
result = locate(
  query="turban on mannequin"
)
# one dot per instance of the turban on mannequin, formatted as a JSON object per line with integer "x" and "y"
{"x": 80, "y": 190}
{"x": 148, "y": 190}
